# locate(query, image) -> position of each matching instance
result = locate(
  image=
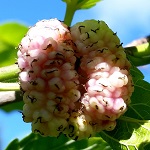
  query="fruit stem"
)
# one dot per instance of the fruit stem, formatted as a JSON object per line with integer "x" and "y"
{"x": 70, "y": 11}
{"x": 8, "y": 72}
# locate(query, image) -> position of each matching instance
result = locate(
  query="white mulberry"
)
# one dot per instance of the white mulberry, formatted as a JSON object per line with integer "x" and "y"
{"x": 104, "y": 70}
{"x": 48, "y": 77}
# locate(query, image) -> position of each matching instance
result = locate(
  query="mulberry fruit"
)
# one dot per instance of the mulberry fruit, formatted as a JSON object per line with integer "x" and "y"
{"x": 104, "y": 64}
{"x": 48, "y": 77}
{"x": 75, "y": 81}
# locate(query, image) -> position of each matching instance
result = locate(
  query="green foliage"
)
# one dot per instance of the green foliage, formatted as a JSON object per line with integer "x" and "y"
{"x": 14, "y": 145}
{"x": 130, "y": 134}
{"x": 82, "y": 4}
{"x": 37, "y": 142}
{"x": 10, "y": 36}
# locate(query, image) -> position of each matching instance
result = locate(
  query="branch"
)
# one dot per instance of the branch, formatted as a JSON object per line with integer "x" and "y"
{"x": 9, "y": 86}
{"x": 139, "y": 51}
{"x": 10, "y": 97}
{"x": 139, "y": 41}
{"x": 9, "y": 72}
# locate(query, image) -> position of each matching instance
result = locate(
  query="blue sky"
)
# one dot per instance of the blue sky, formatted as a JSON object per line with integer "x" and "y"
{"x": 129, "y": 18}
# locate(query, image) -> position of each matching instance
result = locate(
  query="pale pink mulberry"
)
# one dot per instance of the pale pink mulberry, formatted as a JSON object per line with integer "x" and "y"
{"x": 104, "y": 71}
{"x": 48, "y": 77}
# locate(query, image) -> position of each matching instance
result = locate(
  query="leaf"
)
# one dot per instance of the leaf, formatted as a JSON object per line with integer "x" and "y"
{"x": 7, "y": 54}
{"x": 140, "y": 101}
{"x": 139, "y": 61}
{"x": 12, "y": 106}
{"x": 86, "y": 4}
{"x": 133, "y": 129}
{"x": 10, "y": 36}
{"x": 14, "y": 145}
{"x": 12, "y": 33}
{"x": 82, "y": 4}
{"x": 136, "y": 74}
{"x": 130, "y": 134}
{"x": 38, "y": 142}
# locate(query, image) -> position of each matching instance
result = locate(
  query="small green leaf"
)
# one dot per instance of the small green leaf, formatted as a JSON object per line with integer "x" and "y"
{"x": 82, "y": 4}
{"x": 27, "y": 141}
{"x": 14, "y": 145}
{"x": 86, "y": 4}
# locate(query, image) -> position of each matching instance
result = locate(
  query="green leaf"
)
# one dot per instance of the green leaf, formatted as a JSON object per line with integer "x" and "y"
{"x": 139, "y": 61}
{"x": 82, "y": 4}
{"x": 14, "y": 145}
{"x": 86, "y": 4}
{"x": 140, "y": 101}
{"x": 7, "y": 54}
{"x": 130, "y": 134}
{"x": 136, "y": 74}
{"x": 10, "y": 36}
{"x": 12, "y": 106}
{"x": 38, "y": 142}
{"x": 133, "y": 129}
{"x": 12, "y": 33}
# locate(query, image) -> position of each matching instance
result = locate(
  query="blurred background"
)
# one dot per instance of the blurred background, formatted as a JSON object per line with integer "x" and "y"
{"x": 129, "y": 18}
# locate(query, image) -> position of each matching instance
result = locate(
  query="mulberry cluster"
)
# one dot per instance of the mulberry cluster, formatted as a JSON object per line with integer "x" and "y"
{"x": 75, "y": 81}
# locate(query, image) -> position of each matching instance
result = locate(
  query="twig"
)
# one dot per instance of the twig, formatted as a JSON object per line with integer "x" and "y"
{"x": 139, "y": 41}
{"x": 10, "y": 97}
{"x": 8, "y": 86}
{"x": 8, "y": 72}
{"x": 139, "y": 51}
